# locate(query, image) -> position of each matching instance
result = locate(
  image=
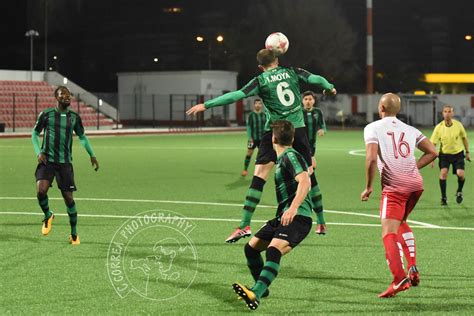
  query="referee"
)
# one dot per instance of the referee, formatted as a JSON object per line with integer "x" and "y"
{"x": 452, "y": 137}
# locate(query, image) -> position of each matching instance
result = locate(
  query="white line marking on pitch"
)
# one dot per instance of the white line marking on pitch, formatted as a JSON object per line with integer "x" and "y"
{"x": 357, "y": 152}
{"x": 169, "y": 147}
{"x": 208, "y": 203}
{"x": 211, "y": 219}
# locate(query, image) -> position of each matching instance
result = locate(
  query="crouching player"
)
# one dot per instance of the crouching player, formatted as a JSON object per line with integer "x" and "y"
{"x": 291, "y": 224}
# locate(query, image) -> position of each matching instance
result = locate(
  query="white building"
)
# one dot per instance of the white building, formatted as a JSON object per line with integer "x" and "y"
{"x": 171, "y": 93}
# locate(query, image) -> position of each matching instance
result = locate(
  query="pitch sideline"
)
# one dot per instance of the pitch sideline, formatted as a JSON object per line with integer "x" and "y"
{"x": 210, "y": 203}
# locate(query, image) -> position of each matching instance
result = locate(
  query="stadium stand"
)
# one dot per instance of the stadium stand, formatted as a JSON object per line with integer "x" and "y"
{"x": 22, "y": 101}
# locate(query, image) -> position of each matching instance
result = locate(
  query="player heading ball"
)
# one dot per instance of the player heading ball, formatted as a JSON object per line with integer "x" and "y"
{"x": 279, "y": 89}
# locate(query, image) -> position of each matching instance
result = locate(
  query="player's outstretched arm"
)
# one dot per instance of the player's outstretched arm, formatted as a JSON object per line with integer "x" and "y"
{"x": 248, "y": 90}
{"x": 370, "y": 166}
{"x": 224, "y": 99}
{"x": 196, "y": 109}
{"x": 304, "y": 185}
{"x": 306, "y": 76}
{"x": 429, "y": 153}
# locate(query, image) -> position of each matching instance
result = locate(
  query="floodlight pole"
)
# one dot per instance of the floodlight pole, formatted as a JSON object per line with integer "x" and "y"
{"x": 31, "y": 34}
{"x": 370, "y": 56}
{"x": 45, "y": 36}
{"x": 369, "y": 63}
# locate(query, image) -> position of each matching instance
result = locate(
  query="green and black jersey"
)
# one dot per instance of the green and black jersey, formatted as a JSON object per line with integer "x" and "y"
{"x": 256, "y": 125}
{"x": 289, "y": 164}
{"x": 58, "y": 127}
{"x": 314, "y": 121}
{"x": 280, "y": 92}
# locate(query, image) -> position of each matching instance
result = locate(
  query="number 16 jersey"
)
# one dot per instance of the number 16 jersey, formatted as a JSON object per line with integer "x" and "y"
{"x": 396, "y": 156}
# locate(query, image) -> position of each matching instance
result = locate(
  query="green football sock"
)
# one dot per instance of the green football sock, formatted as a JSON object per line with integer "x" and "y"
{"x": 320, "y": 217}
{"x": 246, "y": 162}
{"x": 269, "y": 272}
{"x": 44, "y": 204}
{"x": 317, "y": 200}
{"x": 71, "y": 211}
{"x": 252, "y": 199}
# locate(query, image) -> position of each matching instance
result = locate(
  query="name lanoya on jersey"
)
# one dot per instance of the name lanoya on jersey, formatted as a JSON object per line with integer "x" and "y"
{"x": 277, "y": 77}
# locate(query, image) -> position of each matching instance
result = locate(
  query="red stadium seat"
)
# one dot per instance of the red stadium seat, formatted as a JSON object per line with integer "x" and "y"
{"x": 31, "y": 97}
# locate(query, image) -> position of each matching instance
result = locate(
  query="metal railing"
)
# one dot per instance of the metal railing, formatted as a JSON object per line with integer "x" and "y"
{"x": 158, "y": 110}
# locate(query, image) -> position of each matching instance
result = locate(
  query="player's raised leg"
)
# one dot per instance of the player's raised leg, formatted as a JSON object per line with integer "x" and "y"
{"x": 252, "y": 199}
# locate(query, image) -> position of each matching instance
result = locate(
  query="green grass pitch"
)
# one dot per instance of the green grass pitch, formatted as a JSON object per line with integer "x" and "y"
{"x": 340, "y": 273}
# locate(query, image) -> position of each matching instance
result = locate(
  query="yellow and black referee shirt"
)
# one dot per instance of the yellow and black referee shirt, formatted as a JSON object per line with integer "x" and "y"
{"x": 449, "y": 137}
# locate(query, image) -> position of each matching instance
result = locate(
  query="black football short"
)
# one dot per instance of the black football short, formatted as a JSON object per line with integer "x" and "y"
{"x": 63, "y": 172}
{"x": 293, "y": 233}
{"x": 457, "y": 160}
{"x": 254, "y": 144}
{"x": 267, "y": 154}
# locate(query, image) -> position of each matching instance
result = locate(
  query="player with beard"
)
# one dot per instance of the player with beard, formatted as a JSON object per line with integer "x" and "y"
{"x": 55, "y": 157}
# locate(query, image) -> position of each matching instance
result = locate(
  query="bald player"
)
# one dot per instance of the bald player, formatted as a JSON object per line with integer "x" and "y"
{"x": 390, "y": 145}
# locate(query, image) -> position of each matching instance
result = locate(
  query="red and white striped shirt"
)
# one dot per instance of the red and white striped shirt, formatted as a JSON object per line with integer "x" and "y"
{"x": 396, "y": 159}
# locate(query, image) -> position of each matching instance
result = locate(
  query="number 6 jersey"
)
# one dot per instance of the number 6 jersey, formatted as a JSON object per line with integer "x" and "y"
{"x": 280, "y": 92}
{"x": 396, "y": 156}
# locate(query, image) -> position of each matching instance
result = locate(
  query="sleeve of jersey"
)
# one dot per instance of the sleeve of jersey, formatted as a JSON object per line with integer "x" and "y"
{"x": 310, "y": 78}
{"x": 79, "y": 128}
{"x": 296, "y": 165}
{"x": 249, "y": 128}
{"x": 419, "y": 137}
{"x": 463, "y": 131}
{"x": 248, "y": 90}
{"x": 370, "y": 137}
{"x": 36, "y": 142}
{"x": 39, "y": 126}
{"x": 322, "y": 122}
{"x": 85, "y": 142}
{"x": 435, "y": 136}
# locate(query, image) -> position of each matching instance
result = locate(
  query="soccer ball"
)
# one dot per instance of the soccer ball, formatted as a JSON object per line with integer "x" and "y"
{"x": 277, "y": 42}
